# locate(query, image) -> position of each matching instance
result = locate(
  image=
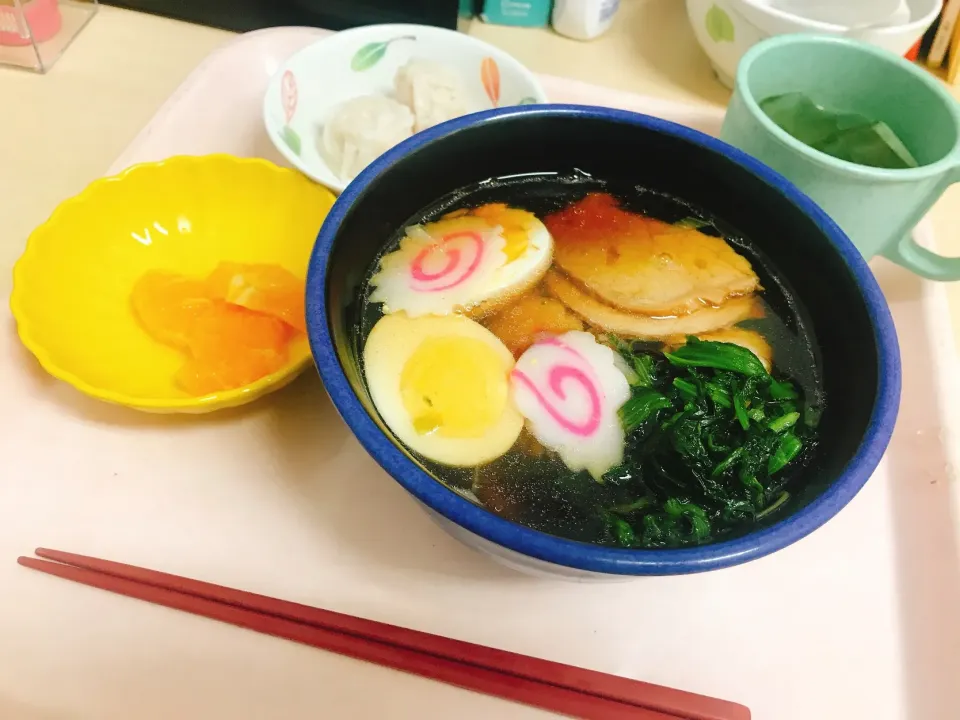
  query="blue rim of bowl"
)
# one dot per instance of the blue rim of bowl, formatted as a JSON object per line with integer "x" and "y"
{"x": 571, "y": 553}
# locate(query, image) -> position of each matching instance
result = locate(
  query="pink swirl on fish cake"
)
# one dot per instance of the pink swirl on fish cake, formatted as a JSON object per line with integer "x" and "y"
{"x": 568, "y": 389}
{"x": 423, "y": 278}
{"x": 556, "y": 376}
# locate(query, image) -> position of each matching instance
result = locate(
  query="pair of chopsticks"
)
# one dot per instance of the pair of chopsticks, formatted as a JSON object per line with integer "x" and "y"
{"x": 564, "y": 689}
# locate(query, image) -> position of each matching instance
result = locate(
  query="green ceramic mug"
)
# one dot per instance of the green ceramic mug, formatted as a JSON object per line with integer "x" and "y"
{"x": 877, "y": 208}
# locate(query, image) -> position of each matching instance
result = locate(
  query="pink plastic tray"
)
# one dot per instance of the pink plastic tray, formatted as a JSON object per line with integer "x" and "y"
{"x": 858, "y": 620}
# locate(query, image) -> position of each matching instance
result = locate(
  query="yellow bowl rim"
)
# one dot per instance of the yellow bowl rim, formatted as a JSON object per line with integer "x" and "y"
{"x": 213, "y": 401}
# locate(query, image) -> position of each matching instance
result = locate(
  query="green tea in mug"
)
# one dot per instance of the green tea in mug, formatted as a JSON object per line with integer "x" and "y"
{"x": 843, "y": 135}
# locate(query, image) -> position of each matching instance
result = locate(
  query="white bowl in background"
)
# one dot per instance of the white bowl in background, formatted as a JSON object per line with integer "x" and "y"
{"x": 726, "y": 29}
{"x": 307, "y": 87}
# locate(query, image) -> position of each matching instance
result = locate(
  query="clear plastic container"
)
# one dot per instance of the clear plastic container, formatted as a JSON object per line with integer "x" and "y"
{"x": 34, "y": 33}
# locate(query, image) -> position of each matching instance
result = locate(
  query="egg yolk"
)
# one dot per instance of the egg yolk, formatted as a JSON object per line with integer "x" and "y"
{"x": 516, "y": 225}
{"x": 454, "y": 386}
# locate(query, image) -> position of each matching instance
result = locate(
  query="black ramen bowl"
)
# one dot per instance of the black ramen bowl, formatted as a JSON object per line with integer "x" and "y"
{"x": 848, "y": 315}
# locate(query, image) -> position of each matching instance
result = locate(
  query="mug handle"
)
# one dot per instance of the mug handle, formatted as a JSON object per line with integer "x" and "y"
{"x": 923, "y": 262}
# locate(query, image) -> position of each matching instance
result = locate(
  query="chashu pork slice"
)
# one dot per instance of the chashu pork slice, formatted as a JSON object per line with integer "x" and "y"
{"x": 644, "y": 327}
{"x": 643, "y": 265}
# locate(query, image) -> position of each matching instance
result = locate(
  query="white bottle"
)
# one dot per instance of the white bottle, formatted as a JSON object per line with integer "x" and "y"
{"x": 583, "y": 19}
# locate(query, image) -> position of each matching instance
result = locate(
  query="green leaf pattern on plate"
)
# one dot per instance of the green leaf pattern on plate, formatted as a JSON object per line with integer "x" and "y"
{"x": 528, "y": 100}
{"x": 291, "y": 138}
{"x": 372, "y": 53}
{"x": 719, "y": 25}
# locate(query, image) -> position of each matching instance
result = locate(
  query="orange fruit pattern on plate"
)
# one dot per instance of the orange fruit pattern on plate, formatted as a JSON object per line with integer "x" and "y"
{"x": 235, "y": 326}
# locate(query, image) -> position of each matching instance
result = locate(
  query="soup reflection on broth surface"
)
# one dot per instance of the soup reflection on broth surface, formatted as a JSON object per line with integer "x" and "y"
{"x": 601, "y": 363}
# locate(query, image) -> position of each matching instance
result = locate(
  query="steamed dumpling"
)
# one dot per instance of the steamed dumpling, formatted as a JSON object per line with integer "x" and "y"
{"x": 433, "y": 91}
{"x": 362, "y": 129}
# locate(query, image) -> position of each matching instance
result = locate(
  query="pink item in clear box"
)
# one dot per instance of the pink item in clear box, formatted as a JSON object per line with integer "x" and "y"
{"x": 41, "y": 18}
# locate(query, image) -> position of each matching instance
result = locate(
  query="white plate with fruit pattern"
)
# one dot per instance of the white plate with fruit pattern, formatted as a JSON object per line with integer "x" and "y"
{"x": 306, "y": 89}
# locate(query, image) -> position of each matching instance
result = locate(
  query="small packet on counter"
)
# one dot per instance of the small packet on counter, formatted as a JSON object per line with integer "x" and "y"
{"x": 521, "y": 13}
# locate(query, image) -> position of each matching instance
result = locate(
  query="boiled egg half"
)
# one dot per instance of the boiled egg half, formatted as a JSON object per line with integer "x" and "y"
{"x": 470, "y": 261}
{"x": 441, "y": 384}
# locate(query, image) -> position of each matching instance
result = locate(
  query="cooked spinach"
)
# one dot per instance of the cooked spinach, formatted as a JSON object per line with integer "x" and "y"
{"x": 718, "y": 355}
{"x": 710, "y": 434}
{"x": 642, "y": 405}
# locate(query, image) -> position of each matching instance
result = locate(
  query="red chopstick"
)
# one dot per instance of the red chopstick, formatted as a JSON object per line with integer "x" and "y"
{"x": 564, "y": 688}
{"x": 560, "y": 700}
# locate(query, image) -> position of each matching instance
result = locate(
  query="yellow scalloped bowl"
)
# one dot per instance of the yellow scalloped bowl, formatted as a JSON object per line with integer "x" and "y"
{"x": 72, "y": 285}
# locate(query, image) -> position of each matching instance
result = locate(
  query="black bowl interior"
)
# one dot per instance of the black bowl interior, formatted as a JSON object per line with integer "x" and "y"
{"x": 623, "y": 152}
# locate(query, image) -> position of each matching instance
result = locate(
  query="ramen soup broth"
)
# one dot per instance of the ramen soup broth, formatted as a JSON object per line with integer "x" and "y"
{"x": 688, "y": 451}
